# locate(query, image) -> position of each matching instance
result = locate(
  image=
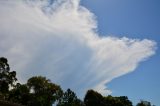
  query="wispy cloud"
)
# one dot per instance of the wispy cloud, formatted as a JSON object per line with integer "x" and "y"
{"x": 58, "y": 40}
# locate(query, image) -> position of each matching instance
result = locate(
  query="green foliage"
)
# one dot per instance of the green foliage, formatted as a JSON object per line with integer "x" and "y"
{"x": 20, "y": 94}
{"x": 44, "y": 93}
{"x": 69, "y": 98}
{"x": 7, "y": 78}
{"x": 93, "y": 98}
{"x": 144, "y": 103}
{"x": 117, "y": 101}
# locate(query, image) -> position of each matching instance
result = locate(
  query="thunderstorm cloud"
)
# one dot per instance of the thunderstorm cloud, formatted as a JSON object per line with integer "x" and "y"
{"x": 59, "y": 39}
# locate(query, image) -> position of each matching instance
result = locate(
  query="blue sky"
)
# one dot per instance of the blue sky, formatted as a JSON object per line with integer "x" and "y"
{"x": 133, "y": 19}
{"x": 105, "y": 45}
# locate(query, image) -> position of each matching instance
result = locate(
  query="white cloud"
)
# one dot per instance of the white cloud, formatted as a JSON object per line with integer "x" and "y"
{"x": 59, "y": 41}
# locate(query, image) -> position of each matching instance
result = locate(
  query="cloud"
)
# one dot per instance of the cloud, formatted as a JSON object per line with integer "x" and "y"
{"x": 58, "y": 39}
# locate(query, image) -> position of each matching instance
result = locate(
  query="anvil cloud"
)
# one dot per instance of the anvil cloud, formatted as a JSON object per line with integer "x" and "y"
{"x": 59, "y": 39}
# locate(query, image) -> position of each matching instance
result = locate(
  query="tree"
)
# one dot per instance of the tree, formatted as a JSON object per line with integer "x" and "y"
{"x": 144, "y": 103}
{"x": 20, "y": 94}
{"x": 43, "y": 92}
{"x": 117, "y": 101}
{"x": 124, "y": 101}
{"x": 69, "y": 98}
{"x": 7, "y": 78}
{"x": 93, "y": 98}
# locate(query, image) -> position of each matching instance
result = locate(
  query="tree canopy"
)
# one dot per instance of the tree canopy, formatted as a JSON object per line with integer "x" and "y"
{"x": 7, "y": 77}
{"x": 69, "y": 98}
{"x": 143, "y": 103}
{"x": 93, "y": 98}
{"x": 43, "y": 91}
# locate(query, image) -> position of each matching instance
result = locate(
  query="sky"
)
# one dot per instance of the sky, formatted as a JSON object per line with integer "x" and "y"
{"x": 133, "y": 19}
{"x": 111, "y": 46}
